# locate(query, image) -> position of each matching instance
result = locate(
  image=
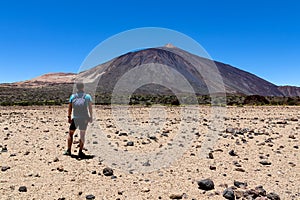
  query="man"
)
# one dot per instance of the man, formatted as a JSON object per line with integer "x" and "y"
{"x": 81, "y": 105}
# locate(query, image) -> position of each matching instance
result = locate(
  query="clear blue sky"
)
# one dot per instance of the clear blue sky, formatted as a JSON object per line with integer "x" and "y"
{"x": 261, "y": 37}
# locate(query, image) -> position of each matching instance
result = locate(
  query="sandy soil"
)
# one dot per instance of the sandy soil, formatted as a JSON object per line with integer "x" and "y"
{"x": 33, "y": 139}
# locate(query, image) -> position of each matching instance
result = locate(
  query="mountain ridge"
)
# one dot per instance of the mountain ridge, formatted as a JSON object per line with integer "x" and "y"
{"x": 105, "y": 76}
{"x": 235, "y": 81}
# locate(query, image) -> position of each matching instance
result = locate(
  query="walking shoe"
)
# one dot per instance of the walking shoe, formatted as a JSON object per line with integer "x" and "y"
{"x": 67, "y": 153}
{"x": 81, "y": 154}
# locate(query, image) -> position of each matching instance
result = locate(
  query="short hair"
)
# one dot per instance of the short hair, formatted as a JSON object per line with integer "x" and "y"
{"x": 79, "y": 85}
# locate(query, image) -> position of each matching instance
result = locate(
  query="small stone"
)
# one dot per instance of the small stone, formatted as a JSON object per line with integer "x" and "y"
{"x": 244, "y": 140}
{"x": 27, "y": 153}
{"x": 230, "y": 130}
{"x": 265, "y": 162}
{"x": 166, "y": 131}
{"x": 130, "y": 143}
{"x": 164, "y": 134}
{"x": 108, "y": 171}
{"x": 123, "y": 134}
{"x": 4, "y": 168}
{"x": 292, "y": 137}
{"x": 237, "y": 164}
{"x": 250, "y": 136}
{"x": 22, "y": 189}
{"x": 292, "y": 164}
{"x": 30, "y": 174}
{"x": 147, "y": 163}
{"x": 206, "y": 184}
{"x": 210, "y": 155}
{"x": 263, "y": 157}
{"x": 229, "y": 194}
{"x": 273, "y": 196}
{"x": 212, "y": 167}
{"x": 94, "y": 172}
{"x": 296, "y": 147}
{"x": 239, "y": 169}
{"x": 90, "y": 196}
{"x": 240, "y": 184}
{"x": 251, "y": 193}
{"x": 4, "y": 149}
{"x": 55, "y": 159}
{"x": 261, "y": 191}
{"x": 232, "y": 153}
{"x": 80, "y": 193}
{"x": 145, "y": 190}
{"x": 282, "y": 122}
{"x": 60, "y": 168}
{"x": 294, "y": 119}
{"x": 176, "y": 196}
{"x": 153, "y": 137}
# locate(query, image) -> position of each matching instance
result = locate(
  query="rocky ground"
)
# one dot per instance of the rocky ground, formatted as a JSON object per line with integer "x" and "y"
{"x": 256, "y": 155}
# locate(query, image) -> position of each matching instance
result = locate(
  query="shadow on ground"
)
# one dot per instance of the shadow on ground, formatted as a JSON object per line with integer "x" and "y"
{"x": 86, "y": 157}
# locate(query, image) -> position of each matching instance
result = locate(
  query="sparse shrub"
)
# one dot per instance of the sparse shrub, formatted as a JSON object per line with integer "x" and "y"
{"x": 256, "y": 100}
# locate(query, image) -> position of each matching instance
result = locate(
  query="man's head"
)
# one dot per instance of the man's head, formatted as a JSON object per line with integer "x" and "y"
{"x": 80, "y": 86}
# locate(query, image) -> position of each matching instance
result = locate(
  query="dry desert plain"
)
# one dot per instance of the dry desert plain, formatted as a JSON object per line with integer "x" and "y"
{"x": 256, "y": 154}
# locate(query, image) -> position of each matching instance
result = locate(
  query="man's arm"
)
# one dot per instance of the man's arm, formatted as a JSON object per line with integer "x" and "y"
{"x": 70, "y": 112}
{"x": 91, "y": 111}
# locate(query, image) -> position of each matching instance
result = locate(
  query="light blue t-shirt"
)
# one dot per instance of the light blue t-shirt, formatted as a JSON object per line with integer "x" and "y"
{"x": 82, "y": 113}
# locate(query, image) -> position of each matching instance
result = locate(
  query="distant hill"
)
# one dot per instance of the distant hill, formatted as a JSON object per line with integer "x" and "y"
{"x": 45, "y": 80}
{"x": 289, "y": 91}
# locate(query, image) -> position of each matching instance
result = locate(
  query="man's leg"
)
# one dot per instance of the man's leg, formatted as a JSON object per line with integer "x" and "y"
{"x": 70, "y": 139}
{"x": 82, "y": 127}
{"x": 82, "y": 140}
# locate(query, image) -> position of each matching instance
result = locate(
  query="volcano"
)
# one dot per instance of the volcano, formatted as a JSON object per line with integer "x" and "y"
{"x": 205, "y": 76}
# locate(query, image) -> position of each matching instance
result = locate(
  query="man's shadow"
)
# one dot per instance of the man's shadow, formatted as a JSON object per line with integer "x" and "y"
{"x": 86, "y": 157}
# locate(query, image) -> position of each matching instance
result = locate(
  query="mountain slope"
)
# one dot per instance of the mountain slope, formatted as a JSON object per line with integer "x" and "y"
{"x": 235, "y": 81}
{"x": 289, "y": 91}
